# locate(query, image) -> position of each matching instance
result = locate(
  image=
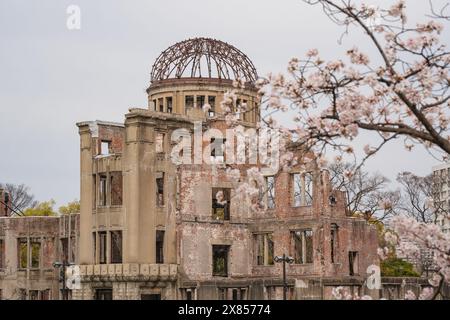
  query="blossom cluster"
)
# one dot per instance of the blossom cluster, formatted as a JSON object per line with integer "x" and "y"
{"x": 407, "y": 95}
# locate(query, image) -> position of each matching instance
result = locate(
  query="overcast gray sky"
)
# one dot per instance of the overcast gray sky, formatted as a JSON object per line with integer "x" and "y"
{"x": 51, "y": 78}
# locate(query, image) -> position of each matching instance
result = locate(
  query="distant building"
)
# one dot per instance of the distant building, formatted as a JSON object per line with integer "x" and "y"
{"x": 441, "y": 194}
{"x": 28, "y": 248}
{"x": 5, "y": 203}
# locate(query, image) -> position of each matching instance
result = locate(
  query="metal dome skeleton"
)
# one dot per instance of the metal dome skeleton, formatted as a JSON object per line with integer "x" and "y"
{"x": 203, "y": 58}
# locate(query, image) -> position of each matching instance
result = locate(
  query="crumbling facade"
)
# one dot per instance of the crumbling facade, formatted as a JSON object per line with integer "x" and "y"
{"x": 5, "y": 203}
{"x": 152, "y": 228}
{"x": 29, "y": 247}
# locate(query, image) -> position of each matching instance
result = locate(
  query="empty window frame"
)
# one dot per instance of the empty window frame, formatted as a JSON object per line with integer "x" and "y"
{"x": 159, "y": 246}
{"x": 159, "y": 142}
{"x": 308, "y": 188}
{"x": 102, "y": 247}
{"x": 94, "y": 191}
{"x": 44, "y": 294}
{"x": 94, "y": 246}
{"x": 220, "y": 260}
{"x": 270, "y": 193}
{"x": 217, "y": 149}
{"x": 35, "y": 253}
{"x": 169, "y": 104}
{"x": 151, "y": 296}
{"x": 237, "y": 106}
{"x": 243, "y": 294}
{"x": 22, "y": 294}
{"x": 248, "y": 112}
{"x": 2, "y": 254}
{"x": 105, "y": 147}
{"x": 264, "y": 249}
{"x": 242, "y": 109}
{"x": 116, "y": 188}
{"x": 116, "y": 246}
{"x": 353, "y": 263}
{"x": 302, "y": 189}
{"x": 188, "y": 102}
{"x": 271, "y": 293}
{"x": 103, "y": 294}
{"x": 161, "y": 105}
{"x": 33, "y": 295}
{"x": 22, "y": 253}
{"x": 102, "y": 190}
{"x": 154, "y": 105}
{"x": 223, "y": 293}
{"x": 302, "y": 246}
{"x": 333, "y": 242}
{"x": 200, "y": 101}
{"x": 65, "y": 249}
{"x": 212, "y": 104}
{"x": 160, "y": 189}
{"x": 72, "y": 249}
{"x": 188, "y": 294}
{"x": 221, "y": 203}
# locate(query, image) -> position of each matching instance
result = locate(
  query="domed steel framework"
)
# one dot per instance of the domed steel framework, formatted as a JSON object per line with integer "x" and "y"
{"x": 203, "y": 58}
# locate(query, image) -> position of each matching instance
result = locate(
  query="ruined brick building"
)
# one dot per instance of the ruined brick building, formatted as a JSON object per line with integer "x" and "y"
{"x": 29, "y": 246}
{"x": 153, "y": 229}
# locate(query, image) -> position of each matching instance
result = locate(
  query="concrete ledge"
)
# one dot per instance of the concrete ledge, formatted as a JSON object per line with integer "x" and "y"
{"x": 129, "y": 272}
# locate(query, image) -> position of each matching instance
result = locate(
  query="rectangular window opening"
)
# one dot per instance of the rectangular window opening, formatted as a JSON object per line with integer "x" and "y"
{"x": 200, "y": 100}
{"x": 160, "y": 246}
{"x": 264, "y": 249}
{"x": 103, "y": 192}
{"x": 212, "y": 104}
{"x": 270, "y": 185}
{"x": 45, "y": 294}
{"x": 297, "y": 189}
{"x": 35, "y": 245}
{"x": 161, "y": 105}
{"x": 65, "y": 249}
{"x": 102, "y": 247}
{"x": 22, "y": 251}
{"x": 2, "y": 254}
{"x": 333, "y": 242}
{"x": 220, "y": 260}
{"x": 223, "y": 293}
{"x": 160, "y": 189}
{"x": 188, "y": 102}
{"x": 94, "y": 246}
{"x": 302, "y": 246}
{"x": 103, "y": 294}
{"x": 152, "y": 296}
{"x": 94, "y": 191}
{"x": 169, "y": 104}
{"x": 116, "y": 246}
{"x": 116, "y": 188}
{"x": 105, "y": 147}
{"x": 217, "y": 149}
{"x": 302, "y": 189}
{"x": 221, "y": 203}
{"x": 353, "y": 263}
